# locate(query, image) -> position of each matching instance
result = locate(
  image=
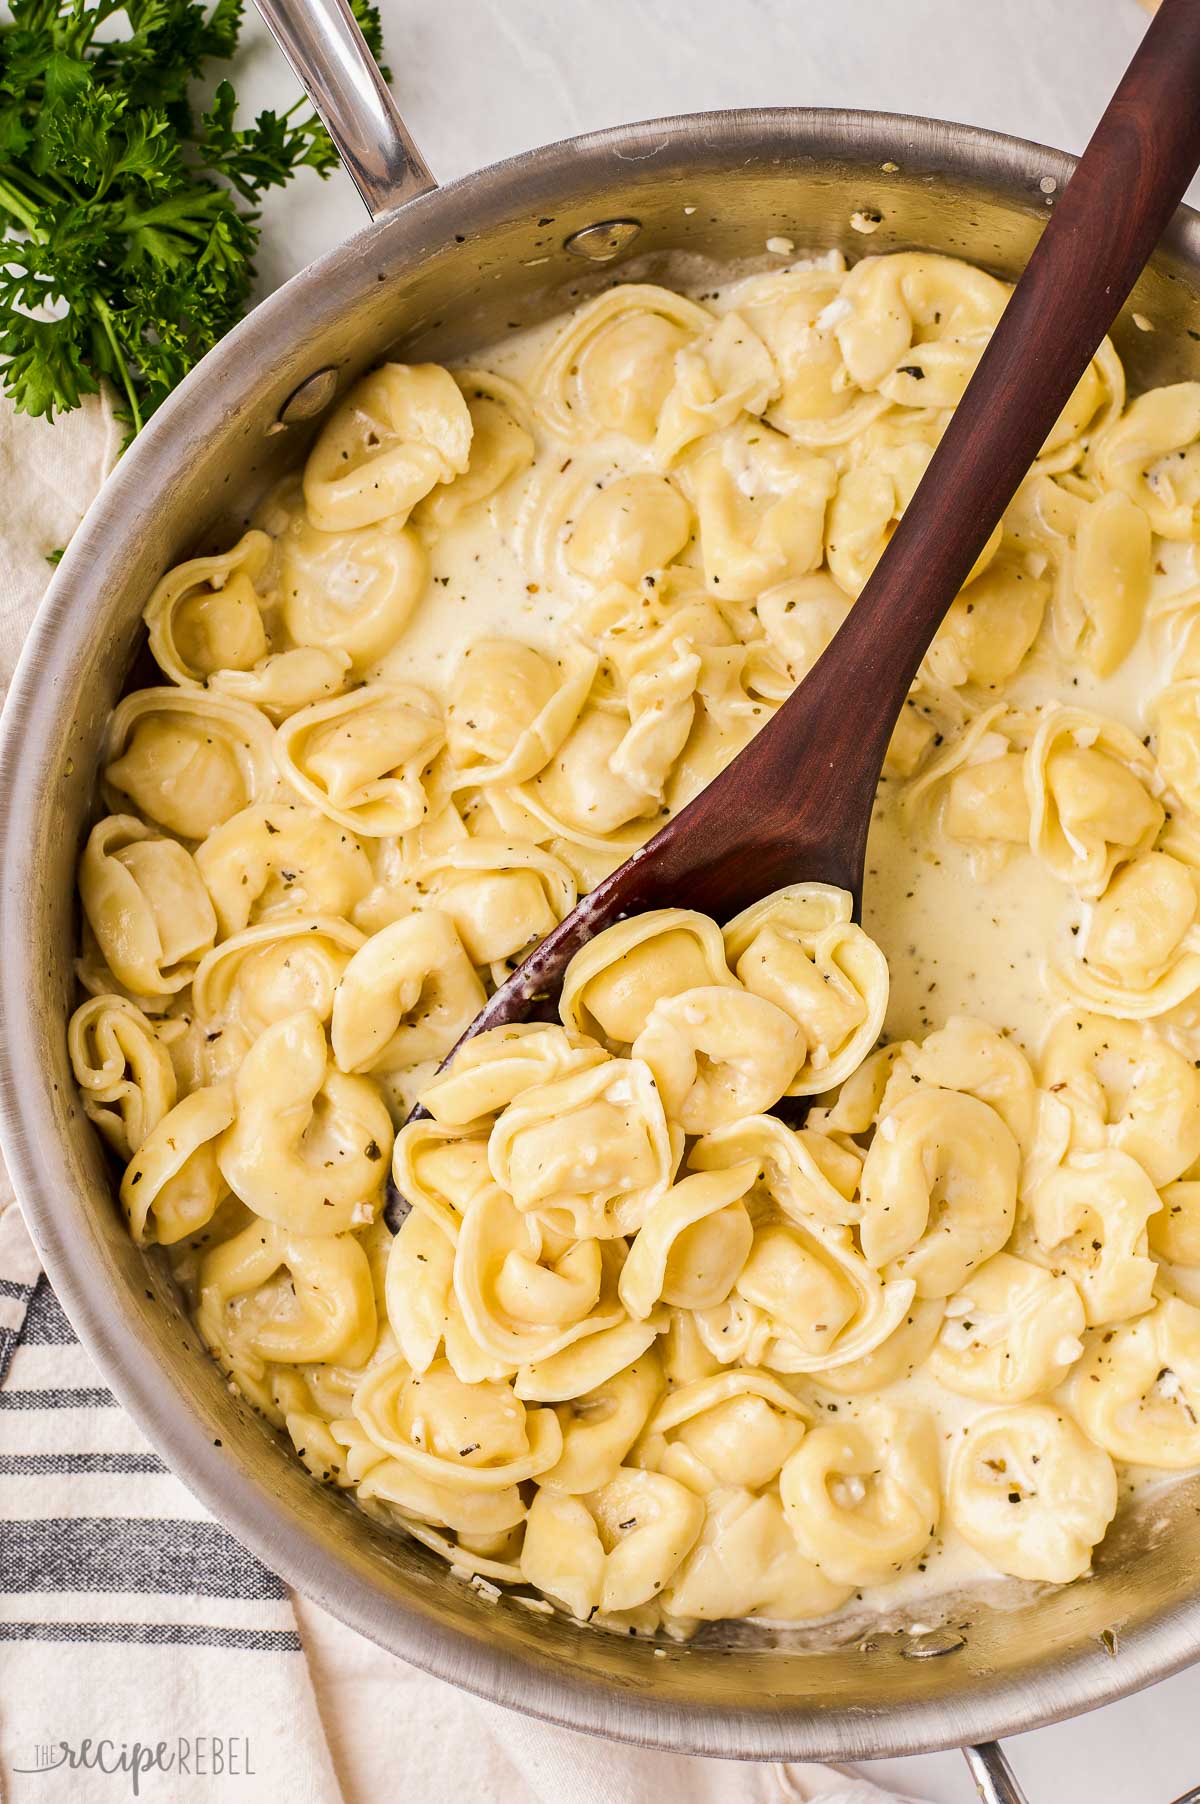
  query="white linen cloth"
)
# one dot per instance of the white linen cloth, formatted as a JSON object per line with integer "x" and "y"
{"x": 128, "y": 1617}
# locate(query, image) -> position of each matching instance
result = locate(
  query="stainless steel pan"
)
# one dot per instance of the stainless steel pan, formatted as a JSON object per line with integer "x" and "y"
{"x": 439, "y": 271}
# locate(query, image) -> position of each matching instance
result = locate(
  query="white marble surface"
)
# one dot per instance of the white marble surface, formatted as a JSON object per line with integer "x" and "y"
{"x": 481, "y": 79}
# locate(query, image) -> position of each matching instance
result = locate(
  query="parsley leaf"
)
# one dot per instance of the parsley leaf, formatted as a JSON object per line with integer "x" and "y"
{"x": 129, "y": 216}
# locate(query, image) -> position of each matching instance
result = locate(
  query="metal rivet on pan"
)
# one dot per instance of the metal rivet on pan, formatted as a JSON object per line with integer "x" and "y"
{"x": 929, "y": 1646}
{"x": 603, "y": 241}
{"x": 311, "y": 398}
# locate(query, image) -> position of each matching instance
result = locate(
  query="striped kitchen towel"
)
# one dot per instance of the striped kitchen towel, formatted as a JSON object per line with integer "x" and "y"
{"x": 108, "y": 1566}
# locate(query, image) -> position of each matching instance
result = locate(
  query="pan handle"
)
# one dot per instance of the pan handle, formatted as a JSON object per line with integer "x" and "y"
{"x": 994, "y": 1778}
{"x": 996, "y": 1783}
{"x": 329, "y": 54}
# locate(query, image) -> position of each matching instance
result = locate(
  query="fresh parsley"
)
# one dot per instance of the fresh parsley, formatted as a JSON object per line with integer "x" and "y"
{"x": 128, "y": 205}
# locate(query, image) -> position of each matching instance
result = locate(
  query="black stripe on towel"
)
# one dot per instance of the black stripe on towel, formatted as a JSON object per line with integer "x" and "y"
{"x": 106, "y": 1554}
{"x": 8, "y": 1341}
{"x": 81, "y": 1397}
{"x": 156, "y": 1634}
{"x": 11, "y": 1287}
{"x": 45, "y": 1323}
{"x": 43, "y": 1465}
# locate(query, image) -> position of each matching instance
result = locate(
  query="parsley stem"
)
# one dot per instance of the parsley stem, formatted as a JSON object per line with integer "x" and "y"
{"x": 100, "y": 306}
{"x": 14, "y": 202}
{"x": 44, "y": 191}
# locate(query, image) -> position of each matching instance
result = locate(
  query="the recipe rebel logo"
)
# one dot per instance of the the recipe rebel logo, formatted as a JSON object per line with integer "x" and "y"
{"x": 181, "y": 1757}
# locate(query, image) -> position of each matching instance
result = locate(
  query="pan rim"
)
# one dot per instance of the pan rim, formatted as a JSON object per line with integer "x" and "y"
{"x": 208, "y": 402}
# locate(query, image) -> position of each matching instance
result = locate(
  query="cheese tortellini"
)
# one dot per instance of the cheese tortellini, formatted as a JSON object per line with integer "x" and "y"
{"x": 308, "y": 1145}
{"x": 863, "y": 1500}
{"x": 187, "y": 763}
{"x": 147, "y": 905}
{"x": 1137, "y": 1390}
{"x": 800, "y": 950}
{"x": 123, "y": 1069}
{"x": 222, "y": 622}
{"x": 363, "y": 759}
{"x": 348, "y": 595}
{"x": 1090, "y": 785}
{"x": 939, "y": 1188}
{"x": 281, "y": 859}
{"x": 1012, "y": 1333}
{"x": 398, "y": 433}
{"x": 1031, "y": 1492}
{"x": 760, "y": 1280}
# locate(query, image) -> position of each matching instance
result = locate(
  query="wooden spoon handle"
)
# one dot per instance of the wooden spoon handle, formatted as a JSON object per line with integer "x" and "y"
{"x": 809, "y": 777}
{"x": 1099, "y": 237}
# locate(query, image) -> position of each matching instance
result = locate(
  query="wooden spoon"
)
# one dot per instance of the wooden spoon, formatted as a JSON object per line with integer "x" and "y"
{"x": 795, "y": 805}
